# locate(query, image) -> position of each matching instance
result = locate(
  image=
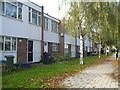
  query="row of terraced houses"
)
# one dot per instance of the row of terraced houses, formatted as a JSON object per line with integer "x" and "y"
{"x": 26, "y": 32}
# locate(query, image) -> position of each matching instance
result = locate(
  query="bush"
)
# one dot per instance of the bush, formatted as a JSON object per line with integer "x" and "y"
{"x": 8, "y": 68}
{"x": 52, "y": 59}
{"x": 56, "y": 59}
{"x": 67, "y": 57}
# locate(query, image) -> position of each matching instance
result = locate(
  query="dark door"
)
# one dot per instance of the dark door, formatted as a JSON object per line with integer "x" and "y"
{"x": 30, "y": 51}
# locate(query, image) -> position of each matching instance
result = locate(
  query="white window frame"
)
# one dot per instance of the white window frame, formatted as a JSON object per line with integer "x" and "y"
{"x": 2, "y": 42}
{"x": 46, "y": 23}
{"x": 54, "y": 26}
{"x": 56, "y": 47}
{"x": 8, "y": 41}
{"x": 11, "y": 43}
{"x": 38, "y": 15}
{"x": 17, "y": 5}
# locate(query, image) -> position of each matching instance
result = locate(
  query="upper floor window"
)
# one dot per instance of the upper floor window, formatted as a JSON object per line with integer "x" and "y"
{"x": 45, "y": 23}
{"x": 11, "y": 9}
{"x": 1, "y": 7}
{"x": 54, "y": 26}
{"x": 34, "y": 16}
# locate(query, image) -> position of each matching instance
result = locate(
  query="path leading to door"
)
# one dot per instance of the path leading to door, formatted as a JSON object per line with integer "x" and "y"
{"x": 93, "y": 77}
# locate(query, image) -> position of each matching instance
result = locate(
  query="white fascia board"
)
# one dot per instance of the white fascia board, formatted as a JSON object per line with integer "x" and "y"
{"x": 32, "y": 5}
{"x": 51, "y": 17}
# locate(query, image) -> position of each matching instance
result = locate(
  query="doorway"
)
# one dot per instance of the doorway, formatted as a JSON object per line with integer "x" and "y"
{"x": 30, "y": 51}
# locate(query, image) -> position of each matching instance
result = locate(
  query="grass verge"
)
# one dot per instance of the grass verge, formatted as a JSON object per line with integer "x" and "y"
{"x": 48, "y": 75}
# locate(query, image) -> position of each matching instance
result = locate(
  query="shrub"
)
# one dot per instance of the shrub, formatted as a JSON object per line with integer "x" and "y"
{"x": 55, "y": 59}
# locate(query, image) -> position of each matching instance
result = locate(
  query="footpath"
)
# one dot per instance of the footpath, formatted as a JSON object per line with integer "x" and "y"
{"x": 99, "y": 76}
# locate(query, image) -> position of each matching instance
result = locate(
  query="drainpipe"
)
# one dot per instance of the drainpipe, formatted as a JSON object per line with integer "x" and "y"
{"x": 42, "y": 32}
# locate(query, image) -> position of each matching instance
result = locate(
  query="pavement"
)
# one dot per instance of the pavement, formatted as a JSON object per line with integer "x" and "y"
{"x": 114, "y": 55}
{"x": 93, "y": 77}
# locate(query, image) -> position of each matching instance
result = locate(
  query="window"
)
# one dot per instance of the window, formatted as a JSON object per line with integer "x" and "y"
{"x": 1, "y": 42}
{"x": 7, "y": 43}
{"x": 86, "y": 48}
{"x": 46, "y": 23}
{"x": 34, "y": 16}
{"x": 2, "y": 8}
{"x": 54, "y": 26}
{"x": 55, "y": 47}
{"x": 39, "y": 20}
{"x": 91, "y": 49}
{"x": 13, "y": 44}
{"x": 30, "y": 14}
{"x": 11, "y": 9}
{"x": 19, "y": 10}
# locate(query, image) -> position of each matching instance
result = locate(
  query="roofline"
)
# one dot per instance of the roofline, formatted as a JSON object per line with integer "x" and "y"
{"x": 35, "y": 4}
{"x": 52, "y": 16}
{"x": 44, "y": 13}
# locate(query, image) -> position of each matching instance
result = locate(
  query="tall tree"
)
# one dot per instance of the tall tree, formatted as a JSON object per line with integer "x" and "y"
{"x": 84, "y": 16}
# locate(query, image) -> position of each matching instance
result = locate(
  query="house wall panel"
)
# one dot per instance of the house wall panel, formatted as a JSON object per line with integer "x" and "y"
{"x": 68, "y": 39}
{"x": 3, "y": 54}
{"x": 36, "y": 51}
{"x": 51, "y": 36}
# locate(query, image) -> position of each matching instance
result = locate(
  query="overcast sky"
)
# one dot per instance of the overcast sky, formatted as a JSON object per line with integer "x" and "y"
{"x": 51, "y": 7}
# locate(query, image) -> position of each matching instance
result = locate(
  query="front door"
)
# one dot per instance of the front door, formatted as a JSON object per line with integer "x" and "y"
{"x": 30, "y": 51}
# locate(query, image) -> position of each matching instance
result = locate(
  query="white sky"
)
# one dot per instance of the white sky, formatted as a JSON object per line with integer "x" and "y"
{"x": 51, "y": 7}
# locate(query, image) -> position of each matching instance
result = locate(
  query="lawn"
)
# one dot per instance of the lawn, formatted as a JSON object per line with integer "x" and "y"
{"x": 41, "y": 77}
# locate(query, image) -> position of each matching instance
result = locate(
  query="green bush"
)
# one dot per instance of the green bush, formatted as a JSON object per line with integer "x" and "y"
{"x": 67, "y": 57}
{"x": 56, "y": 59}
{"x": 52, "y": 59}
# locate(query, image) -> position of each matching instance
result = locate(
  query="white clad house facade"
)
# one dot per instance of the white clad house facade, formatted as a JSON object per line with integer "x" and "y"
{"x": 20, "y": 34}
{"x": 51, "y": 35}
{"x": 72, "y": 45}
{"x": 87, "y": 46}
{"x": 26, "y": 32}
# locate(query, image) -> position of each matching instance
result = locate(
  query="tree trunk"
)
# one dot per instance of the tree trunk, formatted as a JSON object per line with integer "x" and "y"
{"x": 81, "y": 50}
{"x": 99, "y": 50}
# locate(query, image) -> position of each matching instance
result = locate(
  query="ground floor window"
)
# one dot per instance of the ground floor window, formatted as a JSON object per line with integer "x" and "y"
{"x": 13, "y": 44}
{"x": 65, "y": 48}
{"x": 55, "y": 47}
{"x": 90, "y": 49}
{"x": 7, "y": 43}
{"x": 86, "y": 48}
{"x": 1, "y": 42}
